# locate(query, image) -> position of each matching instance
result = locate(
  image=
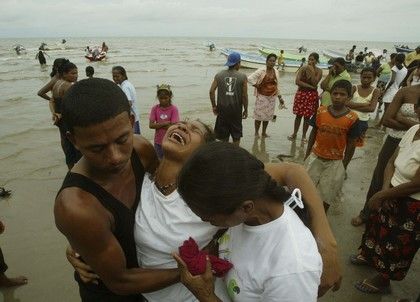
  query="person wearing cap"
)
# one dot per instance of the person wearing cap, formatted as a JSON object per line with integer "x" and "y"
{"x": 337, "y": 72}
{"x": 232, "y": 100}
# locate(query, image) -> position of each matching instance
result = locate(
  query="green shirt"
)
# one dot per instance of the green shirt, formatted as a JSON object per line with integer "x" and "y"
{"x": 326, "y": 97}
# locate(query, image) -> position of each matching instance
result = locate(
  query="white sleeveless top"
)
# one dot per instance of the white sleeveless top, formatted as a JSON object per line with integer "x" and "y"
{"x": 162, "y": 223}
{"x": 357, "y": 98}
{"x": 406, "y": 110}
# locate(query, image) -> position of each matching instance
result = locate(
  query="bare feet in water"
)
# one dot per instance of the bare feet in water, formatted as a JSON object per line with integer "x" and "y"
{"x": 10, "y": 282}
{"x": 265, "y": 135}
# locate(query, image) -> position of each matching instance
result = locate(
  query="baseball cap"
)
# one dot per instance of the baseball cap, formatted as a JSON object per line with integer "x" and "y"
{"x": 233, "y": 59}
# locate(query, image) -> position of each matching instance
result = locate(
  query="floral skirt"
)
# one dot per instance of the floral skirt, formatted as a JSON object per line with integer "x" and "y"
{"x": 264, "y": 107}
{"x": 305, "y": 103}
{"x": 392, "y": 238}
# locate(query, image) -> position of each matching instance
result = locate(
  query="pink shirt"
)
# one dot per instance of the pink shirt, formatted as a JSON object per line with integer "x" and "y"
{"x": 158, "y": 115}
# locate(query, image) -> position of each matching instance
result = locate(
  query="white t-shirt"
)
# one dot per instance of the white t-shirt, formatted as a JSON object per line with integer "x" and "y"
{"x": 277, "y": 261}
{"x": 399, "y": 77}
{"x": 130, "y": 92}
{"x": 162, "y": 223}
{"x": 408, "y": 160}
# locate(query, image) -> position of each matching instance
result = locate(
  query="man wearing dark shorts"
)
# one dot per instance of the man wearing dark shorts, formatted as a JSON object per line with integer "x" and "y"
{"x": 232, "y": 96}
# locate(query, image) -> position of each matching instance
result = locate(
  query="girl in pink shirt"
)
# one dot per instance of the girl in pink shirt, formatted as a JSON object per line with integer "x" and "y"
{"x": 162, "y": 116}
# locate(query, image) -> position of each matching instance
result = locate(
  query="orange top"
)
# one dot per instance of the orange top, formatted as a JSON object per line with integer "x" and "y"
{"x": 332, "y": 133}
{"x": 268, "y": 86}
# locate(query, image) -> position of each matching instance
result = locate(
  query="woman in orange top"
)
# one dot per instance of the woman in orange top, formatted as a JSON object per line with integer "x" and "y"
{"x": 265, "y": 80}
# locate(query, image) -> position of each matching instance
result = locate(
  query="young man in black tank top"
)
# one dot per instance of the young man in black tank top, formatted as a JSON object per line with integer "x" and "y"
{"x": 95, "y": 207}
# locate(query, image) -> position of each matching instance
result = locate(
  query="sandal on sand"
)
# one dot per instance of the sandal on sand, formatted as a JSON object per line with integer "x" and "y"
{"x": 358, "y": 260}
{"x": 357, "y": 221}
{"x": 291, "y": 137}
{"x": 368, "y": 288}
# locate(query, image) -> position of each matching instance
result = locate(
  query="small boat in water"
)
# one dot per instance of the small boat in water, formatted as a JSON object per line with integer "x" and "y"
{"x": 95, "y": 54}
{"x": 402, "y": 48}
{"x": 255, "y": 61}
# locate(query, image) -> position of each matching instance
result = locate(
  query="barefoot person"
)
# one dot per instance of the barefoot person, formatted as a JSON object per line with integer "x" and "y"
{"x": 232, "y": 96}
{"x": 391, "y": 238}
{"x": 332, "y": 142}
{"x": 274, "y": 256}
{"x": 306, "y": 98}
{"x": 102, "y": 191}
{"x": 4, "y": 280}
{"x": 266, "y": 83}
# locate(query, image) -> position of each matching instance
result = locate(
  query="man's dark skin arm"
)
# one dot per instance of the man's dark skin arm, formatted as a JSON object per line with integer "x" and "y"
{"x": 348, "y": 154}
{"x": 245, "y": 99}
{"x": 212, "y": 94}
{"x": 87, "y": 226}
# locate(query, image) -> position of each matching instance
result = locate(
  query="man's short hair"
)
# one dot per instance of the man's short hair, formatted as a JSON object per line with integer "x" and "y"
{"x": 343, "y": 84}
{"x": 93, "y": 101}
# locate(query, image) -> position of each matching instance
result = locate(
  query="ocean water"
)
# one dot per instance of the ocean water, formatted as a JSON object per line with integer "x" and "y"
{"x": 29, "y": 142}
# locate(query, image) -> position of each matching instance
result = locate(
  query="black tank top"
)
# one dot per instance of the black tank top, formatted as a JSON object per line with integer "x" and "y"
{"x": 123, "y": 232}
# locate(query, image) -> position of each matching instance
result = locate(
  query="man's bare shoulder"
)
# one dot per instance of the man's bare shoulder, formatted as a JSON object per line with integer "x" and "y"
{"x": 146, "y": 153}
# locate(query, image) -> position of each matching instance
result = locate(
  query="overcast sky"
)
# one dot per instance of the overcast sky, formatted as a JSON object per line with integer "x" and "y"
{"x": 372, "y": 20}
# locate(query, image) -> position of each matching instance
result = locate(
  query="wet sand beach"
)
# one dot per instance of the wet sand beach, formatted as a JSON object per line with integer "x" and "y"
{"x": 32, "y": 162}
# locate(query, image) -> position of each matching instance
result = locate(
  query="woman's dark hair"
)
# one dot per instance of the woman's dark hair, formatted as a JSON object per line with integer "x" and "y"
{"x": 121, "y": 70}
{"x": 90, "y": 71}
{"x": 271, "y": 55}
{"x": 93, "y": 101}
{"x": 368, "y": 69}
{"x": 219, "y": 177}
{"x": 393, "y": 55}
{"x": 399, "y": 60}
{"x": 315, "y": 55}
{"x": 344, "y": 84}
{"x": 57, "y": 63}
{"x": 340, "y": 61}
{"x": 65, "y": 67}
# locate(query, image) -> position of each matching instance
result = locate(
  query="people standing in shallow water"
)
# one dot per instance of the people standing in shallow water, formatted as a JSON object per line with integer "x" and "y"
{"x": 119, "y": 75}
{"x": 41, "y": 57}
{"x": 306, "y": 97}
{"x": 162, "y": 116}
{"x": 4, "y": 280}
{"x": 239, "y": 192}
{"x": 232, "y": 100}
{"x": 68, "y": 76}
{"x": 266, "y": 83}
{"x": 55, "y": 76}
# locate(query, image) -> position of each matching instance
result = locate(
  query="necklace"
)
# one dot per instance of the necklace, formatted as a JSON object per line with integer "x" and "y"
{"x": 165, "y": 189}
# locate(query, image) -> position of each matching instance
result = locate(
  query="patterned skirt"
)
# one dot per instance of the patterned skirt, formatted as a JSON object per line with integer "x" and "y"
{"x": 392, "y": 238}
{"x": 264, "y": 107}
{"x": 306, "y": 103}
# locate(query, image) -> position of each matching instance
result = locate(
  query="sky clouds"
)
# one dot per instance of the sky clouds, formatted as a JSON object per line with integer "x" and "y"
{"x": 310, "y": 19}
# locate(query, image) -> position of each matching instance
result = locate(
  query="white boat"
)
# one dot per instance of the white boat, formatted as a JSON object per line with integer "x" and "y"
{"x": 332, "y": 54}
{"x": 255, "y": 61}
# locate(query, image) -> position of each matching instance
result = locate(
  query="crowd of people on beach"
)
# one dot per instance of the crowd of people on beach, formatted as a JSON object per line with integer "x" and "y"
{"x": 165, "y": 220}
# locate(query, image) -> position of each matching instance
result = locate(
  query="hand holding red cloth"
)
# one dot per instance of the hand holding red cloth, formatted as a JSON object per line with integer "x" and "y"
{"x": 196, "y": 260}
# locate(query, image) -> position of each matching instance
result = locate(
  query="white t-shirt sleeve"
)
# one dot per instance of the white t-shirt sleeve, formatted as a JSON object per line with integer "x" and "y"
{"x": 127, "y": 92}
{"x": 301, "y": 287}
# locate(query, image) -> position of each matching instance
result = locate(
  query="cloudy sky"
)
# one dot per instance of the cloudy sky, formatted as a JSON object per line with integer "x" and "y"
{"x": 374, "y": 20}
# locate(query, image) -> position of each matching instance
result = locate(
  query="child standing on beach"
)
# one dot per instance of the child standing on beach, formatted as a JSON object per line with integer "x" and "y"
{"x": 332, "y": 142}
{"x": 365, "y": 98}
{"x": 162, "y": 116}
{"x": 280, "y": 60}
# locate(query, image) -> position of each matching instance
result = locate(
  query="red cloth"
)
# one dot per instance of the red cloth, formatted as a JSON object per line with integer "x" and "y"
{"x": 196, "y": 260}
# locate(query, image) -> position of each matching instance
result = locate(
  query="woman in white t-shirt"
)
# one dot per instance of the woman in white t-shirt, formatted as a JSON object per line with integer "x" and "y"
{"x": 398, "y": 73}
{"x": 391, "y": 238}
{"x": 274, "y": 255}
